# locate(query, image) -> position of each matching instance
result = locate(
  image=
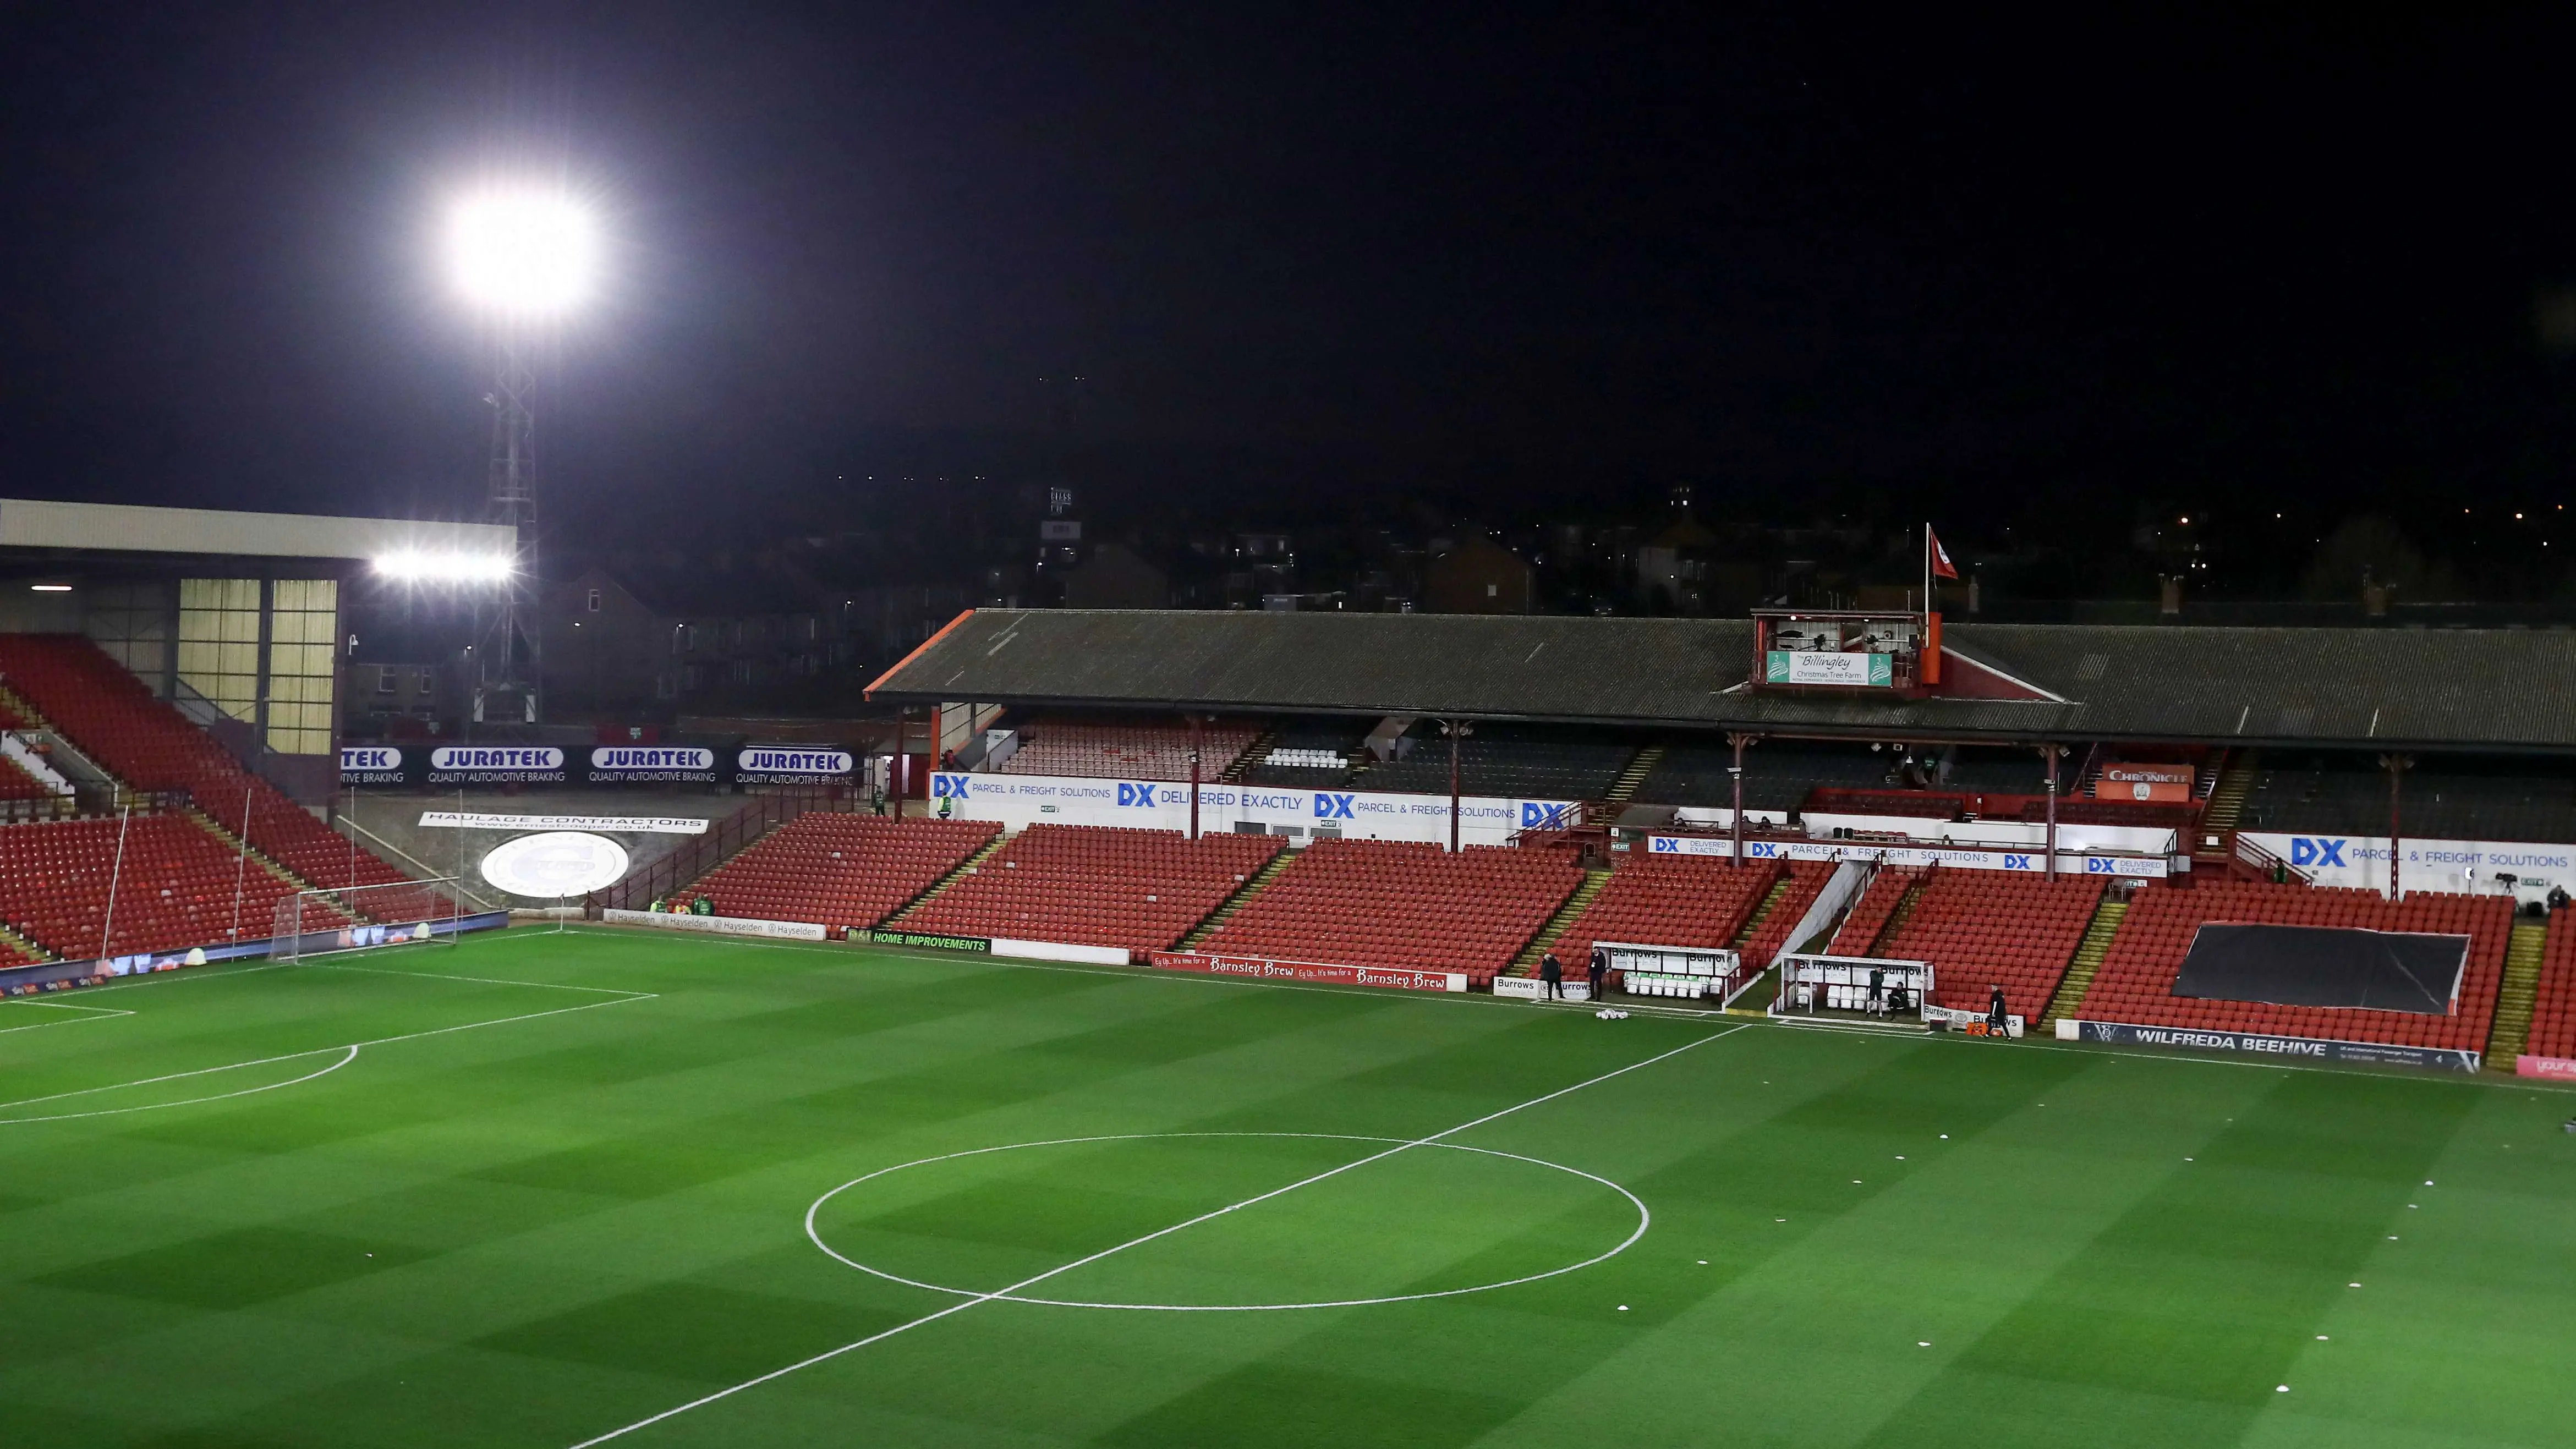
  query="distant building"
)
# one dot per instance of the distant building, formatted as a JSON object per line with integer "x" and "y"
{"x": 1478, "y": 576}
{"x": 1116, "y": 577}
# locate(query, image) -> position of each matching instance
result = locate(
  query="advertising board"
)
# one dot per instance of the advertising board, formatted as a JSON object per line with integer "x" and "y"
{"x": 1850, "y": 670}
{"x": 2151, "y": 867}
{"x": 1262, "y": 969}
{"x": 2316, "y": 1049}
{"x": 1021, "y": 800}
{"x": 717, "y": 925}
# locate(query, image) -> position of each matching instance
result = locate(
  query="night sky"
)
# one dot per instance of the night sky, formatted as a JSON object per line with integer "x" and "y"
{"x": 2034, "y": 269}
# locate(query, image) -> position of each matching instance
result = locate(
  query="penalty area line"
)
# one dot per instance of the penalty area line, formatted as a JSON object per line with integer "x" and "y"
{"x": 1002, "y": 1293}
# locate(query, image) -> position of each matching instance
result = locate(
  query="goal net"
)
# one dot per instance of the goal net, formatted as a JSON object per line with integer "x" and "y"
{"x": 363, "y": 918}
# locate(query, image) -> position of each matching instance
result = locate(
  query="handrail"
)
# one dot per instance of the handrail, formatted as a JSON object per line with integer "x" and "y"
{"x": 2272, "y": 867}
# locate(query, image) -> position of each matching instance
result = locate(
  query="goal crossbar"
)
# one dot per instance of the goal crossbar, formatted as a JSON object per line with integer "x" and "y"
{"x": 332, "y": 919}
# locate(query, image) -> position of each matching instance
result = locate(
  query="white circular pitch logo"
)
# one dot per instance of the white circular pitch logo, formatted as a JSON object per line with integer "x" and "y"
{"x": 555, "y": 863}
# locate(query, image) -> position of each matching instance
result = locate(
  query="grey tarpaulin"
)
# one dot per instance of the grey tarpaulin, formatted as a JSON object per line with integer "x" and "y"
{"x": 2324, "y": 966}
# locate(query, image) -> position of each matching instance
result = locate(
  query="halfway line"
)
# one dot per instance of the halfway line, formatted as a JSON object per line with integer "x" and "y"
{"x": 964, "y": 1304}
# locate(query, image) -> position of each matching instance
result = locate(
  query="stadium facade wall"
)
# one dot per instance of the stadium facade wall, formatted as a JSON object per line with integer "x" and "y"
{"x": 2441, "y": 867}
{"x": 1018, "y": 801}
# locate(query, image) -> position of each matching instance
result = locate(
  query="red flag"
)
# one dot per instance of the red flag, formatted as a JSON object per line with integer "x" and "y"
{"x": 1940, "y": 556}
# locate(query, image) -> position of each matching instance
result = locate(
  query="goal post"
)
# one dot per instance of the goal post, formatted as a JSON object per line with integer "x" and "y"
{"x": 363, "y": 918}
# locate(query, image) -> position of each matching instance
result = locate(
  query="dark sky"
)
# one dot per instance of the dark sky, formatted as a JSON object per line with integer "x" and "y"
{"x": 1536, "y": 256}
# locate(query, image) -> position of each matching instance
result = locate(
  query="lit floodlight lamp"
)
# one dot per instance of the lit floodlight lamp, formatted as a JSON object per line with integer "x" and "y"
{"x": 50, "y": 588}
{"x": 523, "y": 252}
{"x": 414, "y": 566}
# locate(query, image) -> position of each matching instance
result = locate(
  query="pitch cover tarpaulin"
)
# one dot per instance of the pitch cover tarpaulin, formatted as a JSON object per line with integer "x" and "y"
{"x": 2324, "y": 966}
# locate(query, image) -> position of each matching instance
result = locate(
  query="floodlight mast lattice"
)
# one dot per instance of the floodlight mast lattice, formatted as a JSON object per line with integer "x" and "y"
{"x": 524, "y": 256}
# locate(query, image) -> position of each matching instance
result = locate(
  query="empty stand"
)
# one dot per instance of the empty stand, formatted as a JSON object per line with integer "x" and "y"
{"x": 2447, "y": 799}
{"x": 1668, "y": 900}
{"x": 1869, "y": 915}
{"x": 175, "y": 890}
{"x": 1981, "y": 929}
{"x": 1126, "y": 751}
{"x": 1397, "y": 904}
{"x": 115, "y": 720}
{"x": 841, "y": 871}
{"x": 1512, "y": 761}
{"x": 1312, "y": 756}
{"x": 2135, "y": 983}
{"x": 2553, "y": 1010}
{"x": 1777, "y": 774}
{"x": 1142, "y": 890}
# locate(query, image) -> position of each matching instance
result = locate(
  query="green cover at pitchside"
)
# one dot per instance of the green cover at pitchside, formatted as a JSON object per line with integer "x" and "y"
{"x": 535, "y": 1207}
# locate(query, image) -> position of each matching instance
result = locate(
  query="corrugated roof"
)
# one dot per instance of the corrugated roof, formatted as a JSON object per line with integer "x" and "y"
{"x": 2467, "y": 689}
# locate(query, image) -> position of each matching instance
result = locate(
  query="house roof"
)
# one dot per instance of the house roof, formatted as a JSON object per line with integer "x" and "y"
{"x": 2454, "y": 689}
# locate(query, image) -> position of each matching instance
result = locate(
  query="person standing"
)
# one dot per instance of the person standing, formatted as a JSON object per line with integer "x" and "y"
{"x": 1551, "y": 977}
{"x": 1598, "y": 973}
{"x": 1878, "y": 991}
{"x": 1997, "y": 1019}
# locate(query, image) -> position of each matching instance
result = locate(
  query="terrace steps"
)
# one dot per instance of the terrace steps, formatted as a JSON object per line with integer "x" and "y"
{"x": 1761, "y": 912}
{"x": 1253, "y": 754}
{"x": 2511, "y": 1030}
{"x": 26, "y": 947}
{"x": 1904, "y": 909}
{"x": 1233, "y": 903}
{"x": 1624, "y": 789}
{"x": 966, "y": 868}
{"x": 1594, "y": 882}
{"x": 2227, "y": 800}
{"x": 2088, "y": 960}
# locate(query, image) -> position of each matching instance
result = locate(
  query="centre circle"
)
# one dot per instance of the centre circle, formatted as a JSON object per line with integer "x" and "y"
{"x": 1032, "y": 1289}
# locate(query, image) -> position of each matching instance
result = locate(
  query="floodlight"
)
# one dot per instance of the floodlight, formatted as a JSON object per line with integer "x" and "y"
{"x": 446, "y": 568}
{"x": 50, "y": 588}
{"x": 523, "y": 252}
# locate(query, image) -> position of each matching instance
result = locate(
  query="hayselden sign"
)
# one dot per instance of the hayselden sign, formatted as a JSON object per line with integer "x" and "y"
{"x": 2291, "y": 1048}
{"x": 496, "y": 765}
{"x": 1855, "y": 670}
{"x": 651, "y": 765}
{"x": 1019, "y": 800}
{"x": 792, "y": 765}
{"x": 2152, "y": 867}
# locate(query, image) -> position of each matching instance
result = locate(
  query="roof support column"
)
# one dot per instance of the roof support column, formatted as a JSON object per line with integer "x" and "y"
{"x": 1735, "y": 774}
{"x": 1195, "y": 721}
{"x": 2397, "y": 766}
{"x": 2051, "y": 753}
{"x": 1455, "y": 729}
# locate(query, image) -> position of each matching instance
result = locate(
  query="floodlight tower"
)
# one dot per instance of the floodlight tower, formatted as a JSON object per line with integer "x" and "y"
{"x": 525, "y": 256}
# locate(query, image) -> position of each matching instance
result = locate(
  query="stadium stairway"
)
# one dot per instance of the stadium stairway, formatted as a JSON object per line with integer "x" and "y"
{"x": 2226, "y": 806}
{"x": 18, "y": 950}
{"x": 1624, "y": 789}
{"x": 1235, "y": 902}
{"x": 1904, "y": 911}
{"x": 233, "y": 843}
{"x": 965, "y": 868}
{"x": 1594, "y": 881}
{"x": 1253, "y": 754}
{"x": 2088, "y": 960}
{"x": 2512, "y": 1027}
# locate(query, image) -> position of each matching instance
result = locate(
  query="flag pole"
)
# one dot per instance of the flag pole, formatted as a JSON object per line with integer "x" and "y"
{"x": 1927, "y": 574}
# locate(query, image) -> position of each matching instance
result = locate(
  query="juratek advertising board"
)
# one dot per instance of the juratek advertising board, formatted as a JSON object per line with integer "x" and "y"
{"x": 1022, "y": 800}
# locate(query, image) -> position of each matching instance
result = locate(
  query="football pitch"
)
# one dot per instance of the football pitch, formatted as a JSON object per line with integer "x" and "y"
{"x": 555, "y": 1189}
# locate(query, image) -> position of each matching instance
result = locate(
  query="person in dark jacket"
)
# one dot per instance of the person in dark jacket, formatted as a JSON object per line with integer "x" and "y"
{"x": 1997, "y": 1019}
{"x": 1599, "y": 973}
{"x": 1552, "y": 976}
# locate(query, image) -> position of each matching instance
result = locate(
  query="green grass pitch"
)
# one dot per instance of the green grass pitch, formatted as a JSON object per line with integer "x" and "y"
{"x": 543, "y": 1186}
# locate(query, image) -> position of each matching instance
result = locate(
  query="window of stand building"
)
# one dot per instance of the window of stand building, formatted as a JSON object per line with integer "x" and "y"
{"x": 219, "y": 643}
{"x": 304, "y": 624}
